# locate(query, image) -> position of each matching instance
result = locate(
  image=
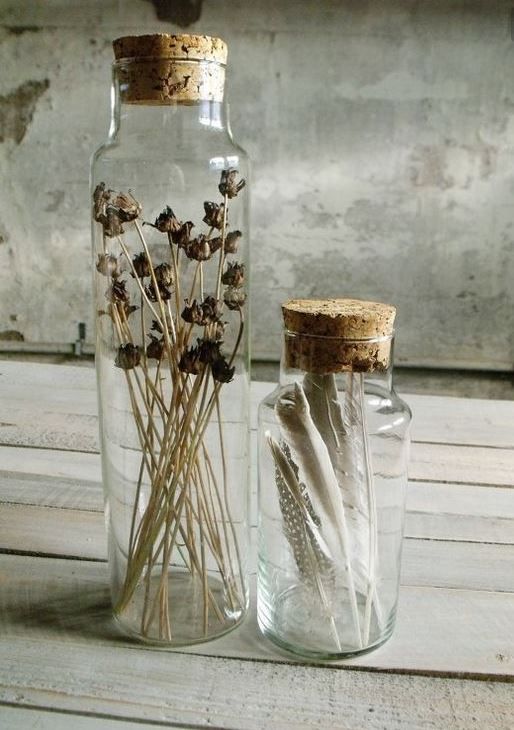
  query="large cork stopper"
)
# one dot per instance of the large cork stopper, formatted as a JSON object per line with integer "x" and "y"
{"x": 334, "y": 335}
{"x": 170, "y": 69}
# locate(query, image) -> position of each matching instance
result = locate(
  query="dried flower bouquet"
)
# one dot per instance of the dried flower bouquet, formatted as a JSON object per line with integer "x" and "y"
{"x": 168, "y": 342}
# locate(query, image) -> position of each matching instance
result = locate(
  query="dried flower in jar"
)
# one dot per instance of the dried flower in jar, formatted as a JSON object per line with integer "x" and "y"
{"x": 234, "y": 298}
{"x": 128, "y": 356}
{"x": 221, "y": 372}
{"x": 214, "y": 215}
{"x": 234, "y": 275}
{"x": 113, "y": 213}
{"x": 153, "y": 296}
{"x": 182, "y": 236}
{"x": 142, "y": 265}
{"x": 190, "y": 361}
{"x": 166, "y": 222}
{"x": 117, "y": 292}
{"x": 155, "y": 348}
{"x": 215, "y": 244}
{"x": 232, "y": 241}
{"x": 107, "y": 265}
{"x": 164, "y": 275}
{"x": 192, "y": 313}
{"x": 228, "y": 185}
{"x": 199, "y": 249}
{"x": 128, "y": 208}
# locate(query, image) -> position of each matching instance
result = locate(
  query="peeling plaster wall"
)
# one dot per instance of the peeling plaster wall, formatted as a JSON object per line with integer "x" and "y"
{"x": 382, "y": 136}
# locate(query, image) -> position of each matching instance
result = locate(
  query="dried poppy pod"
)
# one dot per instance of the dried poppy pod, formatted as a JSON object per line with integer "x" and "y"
{"x": 336, "y": 335}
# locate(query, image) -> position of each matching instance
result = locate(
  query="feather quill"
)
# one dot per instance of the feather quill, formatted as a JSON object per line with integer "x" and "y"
{"x": 315, "y": 466}
{"x": 345, "y": 434}
{"x": 342, "y": 434}
{"x": 300, "y": 520}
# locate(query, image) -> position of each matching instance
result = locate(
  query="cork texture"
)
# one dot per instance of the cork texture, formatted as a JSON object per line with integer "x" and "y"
{"x": 170, "y": 69}
{"x": 163, "y": 45}
{"x": 334, "y": 335}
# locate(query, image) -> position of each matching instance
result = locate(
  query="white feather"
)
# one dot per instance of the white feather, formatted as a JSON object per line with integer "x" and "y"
{"x": 316, "y": 470}
{"x": 342, "y": 433}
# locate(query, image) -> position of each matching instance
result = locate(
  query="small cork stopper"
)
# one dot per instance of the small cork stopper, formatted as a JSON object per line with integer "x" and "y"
{"x": 334, "y": 335}
{"x": 164, "y": 69}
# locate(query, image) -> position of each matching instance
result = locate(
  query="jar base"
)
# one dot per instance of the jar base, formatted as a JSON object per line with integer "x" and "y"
{"x": 302, "y": 626}
{"x": 185, "y": 621}
{"x": 321, "y": 656}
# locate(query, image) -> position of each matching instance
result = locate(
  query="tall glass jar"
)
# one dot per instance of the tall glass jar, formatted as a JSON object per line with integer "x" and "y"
{"x": 333, "y": 450}
{"x": 170, "y": 248}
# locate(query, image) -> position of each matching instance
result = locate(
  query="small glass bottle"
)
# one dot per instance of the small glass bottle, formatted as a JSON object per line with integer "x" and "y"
{"x": 333, "y": 451}
{"x": 170, "y": 247}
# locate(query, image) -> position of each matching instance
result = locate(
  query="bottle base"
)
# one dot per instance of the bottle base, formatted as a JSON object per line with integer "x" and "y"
{"x": 192, "y": 611}
{"x": 300, "y": 624}
{"x": 320, "y": 656}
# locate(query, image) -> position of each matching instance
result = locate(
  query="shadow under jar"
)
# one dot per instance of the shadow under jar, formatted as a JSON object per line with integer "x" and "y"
{"x": 333, "y": 452}
{"x": 170, "y": 246}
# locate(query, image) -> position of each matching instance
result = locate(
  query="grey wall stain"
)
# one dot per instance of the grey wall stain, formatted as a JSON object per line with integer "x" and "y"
{"x": 17, "y": 109}
{"x": 57, "y": 197}
{"x": 21, "y": 29}
{"x": 12, "y": 336}
{"x": 181, "y": 12}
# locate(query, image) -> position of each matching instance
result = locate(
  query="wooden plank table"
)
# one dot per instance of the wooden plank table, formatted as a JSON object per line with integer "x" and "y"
{"x": 450, "y": 663}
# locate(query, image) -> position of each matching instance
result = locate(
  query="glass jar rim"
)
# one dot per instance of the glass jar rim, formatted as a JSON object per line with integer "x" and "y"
{"x": 341, "y": 338}
{"x": 119, "y": 62}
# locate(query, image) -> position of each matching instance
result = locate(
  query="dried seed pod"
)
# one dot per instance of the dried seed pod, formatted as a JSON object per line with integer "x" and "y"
{"x": 155, "y": 348}
{"x": 107, "y": 265}
{"x": 128, "y": 207}
{"x": 234, "y": 275}
{"x": 192, "y": 313}
{"x": 166, "y": 222}
{"x": 221, "y": 372}
{"x": 215, "y": 244}
{"x": 142, "y": 265}
{"x": 232, "y": 241}
{"x": 128, "y": 356}
{"x": 111, "y": 222}
{"x": 208, "y": 351}
{"x": 152, "y": 295}
{"x": 101, "y": 197}
{"x": 182, "y": 236}
{"x": 228, "y": 185}
{"x": 113, "y": 213}
{"x": 199, "y": 249}
{"x": 190, "y": 361}
{"x": 234, "y": 298}
{"x": 164, "y": 275}
{"x": 219, "y": 330}
{"x": 210, "y": 310}
{"x": 117, "y": 292}
{"x": 214, "y": 214}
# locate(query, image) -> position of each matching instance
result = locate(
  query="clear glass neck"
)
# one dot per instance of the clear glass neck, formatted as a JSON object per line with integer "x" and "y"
{"x": 340, "y": 357}
{"x": 135, "y": 112}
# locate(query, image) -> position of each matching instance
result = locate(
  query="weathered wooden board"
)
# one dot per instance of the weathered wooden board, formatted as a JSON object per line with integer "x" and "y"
{"x": 426, "y": 562}
{"x": 55, "y": 406}
{"x": 68, "y": 601}
{"x": 429, "y": 462}
{"x": 26, "y": 718}
{"x": 438, "y": 511}
{"x": 191, "y": 691}
{"x": 462, "y": 464}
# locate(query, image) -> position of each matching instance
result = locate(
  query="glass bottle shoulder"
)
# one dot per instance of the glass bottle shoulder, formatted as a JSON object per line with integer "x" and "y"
{"x": 387, "y": 408}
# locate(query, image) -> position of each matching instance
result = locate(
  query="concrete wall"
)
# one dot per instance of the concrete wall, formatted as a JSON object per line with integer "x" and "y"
{"x": 382, "y": 139}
